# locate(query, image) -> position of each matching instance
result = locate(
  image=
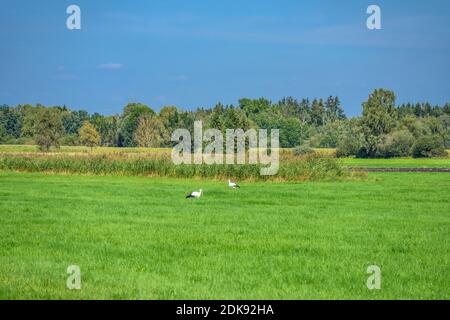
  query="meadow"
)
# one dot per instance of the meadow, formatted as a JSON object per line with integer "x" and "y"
{"x": 139, "y": 238}
{"x": 135, "y": 236}
{"x": 398, "y": 163}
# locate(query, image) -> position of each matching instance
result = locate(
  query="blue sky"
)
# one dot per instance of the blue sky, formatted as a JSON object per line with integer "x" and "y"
{"x": 194, "y": 53}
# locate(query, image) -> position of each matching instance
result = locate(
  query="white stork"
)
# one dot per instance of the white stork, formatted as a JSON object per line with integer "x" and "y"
{"x": 195, "y": 194}
{"x": 233, "y": 185}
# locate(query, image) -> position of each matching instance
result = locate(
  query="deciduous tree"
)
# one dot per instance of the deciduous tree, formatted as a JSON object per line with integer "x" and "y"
{"x": 49, "y": 129}
{"x": 378, "y": 119}
{"x": 150, "y": 132}
{"x": 89, "y": 136}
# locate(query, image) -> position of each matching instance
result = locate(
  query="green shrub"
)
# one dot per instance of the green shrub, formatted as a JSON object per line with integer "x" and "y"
{"x": 70, "y": 140}
{"x": 2, "y": 133}
{"x": 314, "y": 167}
{"x": 17, "y": 141}
{"x": 347, "y": 147}
{"x": 303, "y": 150}
{"x": 428, "y": 147}
{"x": 396, "y": 144}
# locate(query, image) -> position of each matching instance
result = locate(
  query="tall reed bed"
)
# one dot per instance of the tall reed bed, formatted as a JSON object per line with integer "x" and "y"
{"x": 308, "y": 168}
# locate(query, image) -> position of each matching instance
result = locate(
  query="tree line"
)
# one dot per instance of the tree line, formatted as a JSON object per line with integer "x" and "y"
{"x": 383, "y": 130}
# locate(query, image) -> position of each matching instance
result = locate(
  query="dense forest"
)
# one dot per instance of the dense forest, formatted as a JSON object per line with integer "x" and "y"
{"x": 383, "y": 130}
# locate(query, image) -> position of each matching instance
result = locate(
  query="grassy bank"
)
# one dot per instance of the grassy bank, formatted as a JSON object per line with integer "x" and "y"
{"x": 78, "y": 149}
{"x": 308, "y": 168}
{"x": 138, "y": 238}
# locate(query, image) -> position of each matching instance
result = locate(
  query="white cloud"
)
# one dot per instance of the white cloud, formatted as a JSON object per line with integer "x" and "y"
{"x": 110, "y": 66}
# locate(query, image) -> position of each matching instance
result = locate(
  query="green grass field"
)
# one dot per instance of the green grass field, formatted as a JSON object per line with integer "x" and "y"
{"x": 398, "y": 163}
{"x": 138, "y": 238}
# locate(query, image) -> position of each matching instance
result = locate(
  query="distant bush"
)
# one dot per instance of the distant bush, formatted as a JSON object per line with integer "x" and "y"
{"x": 314, "y": 167}
{"x": 396, "y": 144}
{"x": 70, "y": 140}
{"x": 347, "y": 147}
{"x": 303, "y": 150}
{"x": 429, "y": 146}
{"x": 16, "y": 141}
{"x": 2, "y": 133}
